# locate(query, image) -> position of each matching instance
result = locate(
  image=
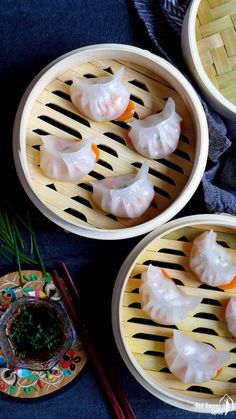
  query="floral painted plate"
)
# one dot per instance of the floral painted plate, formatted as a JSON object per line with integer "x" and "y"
{"x": 26, "y": 383}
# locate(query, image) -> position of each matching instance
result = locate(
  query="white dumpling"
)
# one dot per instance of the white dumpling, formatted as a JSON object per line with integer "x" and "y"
{"x": 101, "y": 98}
{"x": 157, "y": 135}
{"x": 230, "y": 315}
{"x": 192, "y": 361}
{"x": 125, "y": 196}
{"x": 210, "y": 261}
{"x": 66, "y": 160}
{"x": 162, "y": 300}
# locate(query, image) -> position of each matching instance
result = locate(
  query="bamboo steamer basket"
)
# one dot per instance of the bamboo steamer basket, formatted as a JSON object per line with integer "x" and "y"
{"x": 141, "y": 341}
{"x": 46, "y": 108}
{"x": 209, "y": 47}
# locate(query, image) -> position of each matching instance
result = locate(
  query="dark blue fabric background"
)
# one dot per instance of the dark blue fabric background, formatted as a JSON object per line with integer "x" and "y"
{"x": 33, "y": 33}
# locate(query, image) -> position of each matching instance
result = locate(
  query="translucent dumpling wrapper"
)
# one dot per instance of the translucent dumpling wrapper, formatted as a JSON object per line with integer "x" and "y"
{"x": 66, "y": 160}
{"x": 192, "y": 361}
{"x": 157, "y": 135}
{"x": 126, "y": 196}
{"x": 210, "y": 261}
{"x": 162, "y": 300}
{"x": 101, "y": 98}
{"x": 230, "y": 316}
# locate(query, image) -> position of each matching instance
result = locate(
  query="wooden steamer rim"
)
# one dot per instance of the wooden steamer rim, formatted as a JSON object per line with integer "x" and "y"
{"x": 120, "y": 323}
{"x": 139, "y": 57}
{"x": 191, "y": 54}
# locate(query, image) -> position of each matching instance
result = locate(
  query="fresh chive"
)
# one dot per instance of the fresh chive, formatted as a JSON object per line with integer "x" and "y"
{"x": 3, "y": 236}
{"x": 31, "y": 235}
{"x": 12, "y": 242}
{"x": 26, "y": 259}
{"x": 22, "y": 221}
{"x": 18, "y": 259}
{"x": 22, "y": 256}
{"x": 8, "y": 259}
{"x": 9, "y": 228}
{"x": 3, "y": 229}
{"x": 38, "y": 254}
{"x": 17, "y": 231}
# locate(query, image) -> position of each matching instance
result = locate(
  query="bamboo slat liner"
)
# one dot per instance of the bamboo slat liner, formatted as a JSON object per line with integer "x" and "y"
{"x": 206, "y": 323}
{"x": 216, "y": 42}
{"x": 53, "y": 113}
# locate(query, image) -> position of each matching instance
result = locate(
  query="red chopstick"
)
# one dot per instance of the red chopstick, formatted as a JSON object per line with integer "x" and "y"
{"x": 121, "y": 395}
{"x": 87, "y": 343}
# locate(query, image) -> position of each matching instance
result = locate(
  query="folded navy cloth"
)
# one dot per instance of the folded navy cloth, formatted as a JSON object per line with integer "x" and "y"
{"x": 163, "y": 20}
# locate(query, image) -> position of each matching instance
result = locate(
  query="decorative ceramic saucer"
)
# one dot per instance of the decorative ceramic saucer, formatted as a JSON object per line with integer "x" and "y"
{"x": 26, "y": 383}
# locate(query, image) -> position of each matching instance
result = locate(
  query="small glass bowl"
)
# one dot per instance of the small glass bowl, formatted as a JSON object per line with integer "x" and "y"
{"x": 13, "y": 360}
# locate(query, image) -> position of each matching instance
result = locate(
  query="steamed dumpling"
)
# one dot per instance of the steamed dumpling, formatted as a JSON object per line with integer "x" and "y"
{"x": 66, "y": 160}
{"x": 101, "y": 98}
{"x": 157, "y": 135}
{"x": 210, "y": 261}
{"x": 162, "y": 300}
{"x": 230, "y": 316}
{"x": 125, "y": 196}
{"x": 192, "y": 361}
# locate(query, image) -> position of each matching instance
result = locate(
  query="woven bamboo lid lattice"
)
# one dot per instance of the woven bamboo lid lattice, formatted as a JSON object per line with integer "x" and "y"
{"x": 141, "y": 341}
{"x": 46, "y": 108}
{"x": 209, "y": 47}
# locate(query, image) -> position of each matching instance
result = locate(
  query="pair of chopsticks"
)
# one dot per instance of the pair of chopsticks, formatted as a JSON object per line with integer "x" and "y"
{"x": 115, "y": 395}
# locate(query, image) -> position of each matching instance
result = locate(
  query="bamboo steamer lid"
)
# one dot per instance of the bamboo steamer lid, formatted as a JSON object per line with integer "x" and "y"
{"x": 209, "y": 47}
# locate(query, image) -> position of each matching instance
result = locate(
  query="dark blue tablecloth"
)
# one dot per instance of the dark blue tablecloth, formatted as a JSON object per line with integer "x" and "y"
{"x": 33, "y": 33}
